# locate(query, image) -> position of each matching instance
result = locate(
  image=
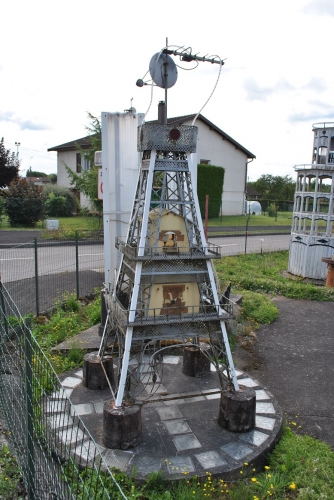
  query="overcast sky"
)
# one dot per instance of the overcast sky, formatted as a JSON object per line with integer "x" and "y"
{"x": 60, "y": 59}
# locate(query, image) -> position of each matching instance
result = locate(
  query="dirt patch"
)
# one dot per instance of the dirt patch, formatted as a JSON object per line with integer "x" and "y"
{"x": 246, "y": 354}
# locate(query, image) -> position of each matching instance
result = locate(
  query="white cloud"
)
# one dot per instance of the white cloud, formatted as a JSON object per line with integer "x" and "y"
{"x": 312, "y": 116}
{"x": 9, "y": 116}
{"x": 256, "y": 92}
{"x": 316, "y": 84}
{"x": 319, "y": 8}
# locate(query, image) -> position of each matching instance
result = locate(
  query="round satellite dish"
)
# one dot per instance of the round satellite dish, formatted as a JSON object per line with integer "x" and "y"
{"x": 163, "y": 71}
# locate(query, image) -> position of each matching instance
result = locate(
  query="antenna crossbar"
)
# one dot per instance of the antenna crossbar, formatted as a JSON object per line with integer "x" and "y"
{"x": 192, "y": 57}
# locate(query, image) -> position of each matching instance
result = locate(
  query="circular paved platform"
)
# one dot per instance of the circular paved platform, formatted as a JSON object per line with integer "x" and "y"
{"x": 181, "y": 435}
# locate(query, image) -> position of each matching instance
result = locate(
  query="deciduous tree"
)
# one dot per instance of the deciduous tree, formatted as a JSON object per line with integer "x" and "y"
{"x": 86, "y": 182}
{"x": 9, "y": 166}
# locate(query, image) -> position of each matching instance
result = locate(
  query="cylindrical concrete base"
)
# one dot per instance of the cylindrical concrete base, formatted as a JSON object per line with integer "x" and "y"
{"x": 195, "y": 363}
{"x": 122, "y": 427}
{"x": 237, "y": 410}
{"x": 93, "y": 374}
{"x": 330, "y": 276}
{"x": 103, "y": 315}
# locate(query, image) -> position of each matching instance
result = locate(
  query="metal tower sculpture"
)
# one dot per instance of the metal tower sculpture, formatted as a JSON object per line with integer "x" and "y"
{"x": 312, "y": 233}
{"x": 165, "y": 290}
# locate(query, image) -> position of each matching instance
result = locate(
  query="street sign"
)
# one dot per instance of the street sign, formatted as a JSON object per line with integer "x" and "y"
{"x": 100, "y": 184}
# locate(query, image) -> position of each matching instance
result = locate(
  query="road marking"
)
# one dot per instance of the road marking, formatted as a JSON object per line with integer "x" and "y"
{"x": 230, "y": 245}
{"x": 86, "y": 254}
{"x": 19, "y": 258}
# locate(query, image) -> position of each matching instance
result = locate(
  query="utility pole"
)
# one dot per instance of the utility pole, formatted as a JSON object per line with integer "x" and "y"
{"x": 17, "y": 144}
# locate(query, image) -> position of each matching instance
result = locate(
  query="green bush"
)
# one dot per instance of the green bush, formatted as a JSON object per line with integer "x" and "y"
{"x": 60, "y": 202}
{"x": 210, "y": 181}
{"x": 258, "y": 307}
{"x": 56, "y": 205}
{"x": 2, "y": 206}
{"x": 272, "y": 210}
{"x": 24, "y": 203}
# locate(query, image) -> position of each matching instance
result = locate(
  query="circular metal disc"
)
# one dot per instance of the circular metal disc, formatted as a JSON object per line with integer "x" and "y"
{"x": 163, "y": 71}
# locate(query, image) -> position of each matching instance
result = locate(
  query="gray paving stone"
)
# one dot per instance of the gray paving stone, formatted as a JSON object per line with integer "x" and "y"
{"x": 148, "y": 378}
{"x": 172, "y": 360}
{"x": 99, "y": 406}
{"x": 248, "y": 382}
{"x": 212, "y": 396}
{"x": 60, "y": 420}
{"x": 87, "y": 451}
{"x": 71, "y": 435}
{"x": 261, "y": 394}
{"x": 265, "y": 408}
{"x": 174, "y": 402}
{"x": 117, "y": 458}
{"x": 151, "y": 389}
{"x": 236, "y": 450}
{"x": 195, "y": 399}
{"x": 186, "y": 442}
{"x": 169, "y": 413}
{"x": 254, "y": 437}
{"x": 177, "y": 426}
{"x": 146, "y": 464}
{"x": 71, "y": 382}
{"x": 82, "y": 409}
{"x": 56, "y": 406}
{"x": 210, "y": 459}
{"x": 79, "y": 374}
{"x": 265, "y": 422}
{"x": 154, "y": 404}
{"x": 180, "y": 465}
{"x": 63, "y": 393}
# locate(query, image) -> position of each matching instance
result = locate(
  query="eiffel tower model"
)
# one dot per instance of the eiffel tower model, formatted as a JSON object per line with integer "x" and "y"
{"x": 165, "y": 292}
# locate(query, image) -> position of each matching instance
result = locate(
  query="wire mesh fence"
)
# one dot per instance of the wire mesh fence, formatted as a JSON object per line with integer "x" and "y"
{"x": 40, "y": 272}
{"x": 58, "y": 457}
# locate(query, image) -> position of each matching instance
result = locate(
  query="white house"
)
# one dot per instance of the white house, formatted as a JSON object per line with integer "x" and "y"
{"x": 214, "y": 147}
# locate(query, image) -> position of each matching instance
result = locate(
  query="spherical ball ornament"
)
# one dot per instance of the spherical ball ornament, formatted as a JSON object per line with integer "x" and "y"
{"x": 175, "y": 134}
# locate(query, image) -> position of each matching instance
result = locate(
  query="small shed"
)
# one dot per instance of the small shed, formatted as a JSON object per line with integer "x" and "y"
{"x": 253, "y": 208}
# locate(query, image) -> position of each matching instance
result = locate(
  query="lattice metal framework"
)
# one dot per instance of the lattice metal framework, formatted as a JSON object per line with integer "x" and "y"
{"x": 155, "y": 257}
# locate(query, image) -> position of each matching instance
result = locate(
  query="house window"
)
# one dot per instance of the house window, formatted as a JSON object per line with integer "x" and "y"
{"x": 205, "y": 162}
{"x": 82, "y": 163}
{"x": 78, "y": 163}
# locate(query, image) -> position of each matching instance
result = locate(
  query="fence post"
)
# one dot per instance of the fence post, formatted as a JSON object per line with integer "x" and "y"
{"x": 36, "y": 277}
{"x": 246, "y": 236}
{"x": 29, "y": 410}
{"x": 206, "y": 217}
{"x": 77, "y": 262}
{"x": 3, "y": 310}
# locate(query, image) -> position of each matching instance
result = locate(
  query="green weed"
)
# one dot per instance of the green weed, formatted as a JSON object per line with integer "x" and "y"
{"x": 9, "y": 474}
{"x": 257, "y": 307}
{"x": 263, "y": 274}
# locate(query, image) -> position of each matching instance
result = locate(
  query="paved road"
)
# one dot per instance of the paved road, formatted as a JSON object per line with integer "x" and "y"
{"x": 235, "y": 245}
{"x": 19, "y": 263}
{"x": 293, "y": 358}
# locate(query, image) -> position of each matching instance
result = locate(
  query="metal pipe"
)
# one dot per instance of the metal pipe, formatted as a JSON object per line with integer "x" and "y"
{"x": 77, "y": 263}
{"x": 36, "y": 277}
{"x": 29, "y": 410}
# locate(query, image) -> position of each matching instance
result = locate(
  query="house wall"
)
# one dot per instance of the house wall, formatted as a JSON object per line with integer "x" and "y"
{"x": 211, "y": 146}
{"x": 69, "y": 158}
{"x": 220, "y": 152}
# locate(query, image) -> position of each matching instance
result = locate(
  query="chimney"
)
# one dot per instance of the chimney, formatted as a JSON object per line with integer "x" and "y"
{"x": 161, "y": 112}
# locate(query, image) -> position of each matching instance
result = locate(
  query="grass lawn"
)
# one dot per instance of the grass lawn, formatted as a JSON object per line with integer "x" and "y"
{"x": 65, "y": 223}
{"x": 283, "y": 219}
{"x": 81, "y": 223}
{"x": 299, "y": 467}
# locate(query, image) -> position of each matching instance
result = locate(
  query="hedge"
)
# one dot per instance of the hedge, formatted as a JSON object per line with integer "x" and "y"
{"x": 210, "y": 180}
